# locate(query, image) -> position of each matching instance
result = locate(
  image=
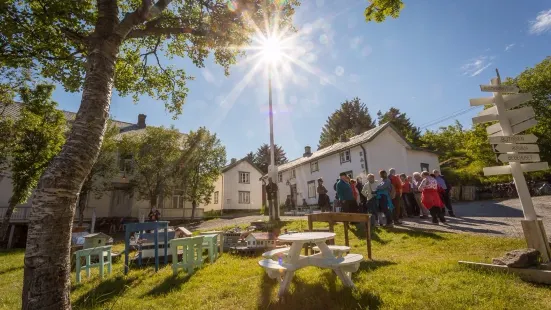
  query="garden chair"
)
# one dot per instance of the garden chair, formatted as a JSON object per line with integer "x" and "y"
{"x": 101, "y": 252}
{"x": 192, "y": 253}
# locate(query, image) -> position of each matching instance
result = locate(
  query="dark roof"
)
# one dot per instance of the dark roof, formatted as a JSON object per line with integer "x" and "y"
{"x": 244, "y": 159}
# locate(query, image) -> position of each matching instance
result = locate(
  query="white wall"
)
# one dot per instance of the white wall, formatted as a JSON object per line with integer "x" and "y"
{"x": 415, "y": 158}
{"x": 385, "y": 152}
{"x": 232, "y": 188}
{"x": 217, "y": 188}
{"x": 6, "y": 190}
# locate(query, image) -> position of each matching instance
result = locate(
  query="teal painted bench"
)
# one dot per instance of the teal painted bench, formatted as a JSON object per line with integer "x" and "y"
{"x": 210, "y": 242}
{"x": 101, "y": 252}
{"x": 192, "y": 253}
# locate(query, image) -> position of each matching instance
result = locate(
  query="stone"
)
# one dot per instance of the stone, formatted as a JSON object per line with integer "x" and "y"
{"x": 523, "y": 258}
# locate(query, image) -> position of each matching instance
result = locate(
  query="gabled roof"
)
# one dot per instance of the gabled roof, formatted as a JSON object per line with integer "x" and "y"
{"x": 244, "y": 159}
{"x": 341, "y": 146}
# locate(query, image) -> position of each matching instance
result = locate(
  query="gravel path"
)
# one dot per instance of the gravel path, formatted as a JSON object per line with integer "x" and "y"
{"x": 498, "y": 218}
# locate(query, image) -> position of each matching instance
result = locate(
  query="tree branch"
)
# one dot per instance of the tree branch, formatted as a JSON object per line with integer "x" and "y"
{"x": 155, "y": 31}
{"x": 144, "y": 12}
{"x": 74, "y": 36}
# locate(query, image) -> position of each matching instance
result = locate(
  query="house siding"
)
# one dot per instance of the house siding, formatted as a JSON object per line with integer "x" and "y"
{"x": 232, "y": 187}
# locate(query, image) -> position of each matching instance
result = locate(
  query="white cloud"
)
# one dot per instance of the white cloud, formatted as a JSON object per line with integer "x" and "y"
{"x": 475, "y": 66}
{"x": 542, "y": 23}
{"x": 509, "y": 47}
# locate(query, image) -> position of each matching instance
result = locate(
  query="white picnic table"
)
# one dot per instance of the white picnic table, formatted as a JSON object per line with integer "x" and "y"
{"x": 284, "y": 269}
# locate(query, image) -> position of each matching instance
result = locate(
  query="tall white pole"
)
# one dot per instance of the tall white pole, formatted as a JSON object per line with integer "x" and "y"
{"x": 516, "y": 170}
{"x": 272, "y": 169}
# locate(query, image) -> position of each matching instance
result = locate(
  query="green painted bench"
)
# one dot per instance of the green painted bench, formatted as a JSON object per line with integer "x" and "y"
{"x": 192, "y": 253}
{"x": 210, "y": 242}
{"x": 101, "y": 252}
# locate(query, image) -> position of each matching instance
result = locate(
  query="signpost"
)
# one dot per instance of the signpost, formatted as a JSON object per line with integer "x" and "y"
{"x": 516, "y": 150}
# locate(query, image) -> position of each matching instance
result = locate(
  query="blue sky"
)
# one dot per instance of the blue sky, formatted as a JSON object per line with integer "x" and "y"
{"x": 428, "y": 63}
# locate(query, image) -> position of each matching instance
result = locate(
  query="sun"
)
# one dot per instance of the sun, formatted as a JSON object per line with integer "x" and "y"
{"x": 271, "y": 50}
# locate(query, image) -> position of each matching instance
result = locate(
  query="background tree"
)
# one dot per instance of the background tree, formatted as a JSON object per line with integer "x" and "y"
{"x": 154, "y": 156}
{"x": 250, "y": 156}
{"x": 379, "y": 10}
{"x": 39, "y": 134}
{"x": 352, "y": 117}
{"x": 91, "y": 46}
{"x": 100, "y": 178}
{"x": 402, "y": 123}
{"x": 262, "y": 157}
{"x": 202, "y": 161}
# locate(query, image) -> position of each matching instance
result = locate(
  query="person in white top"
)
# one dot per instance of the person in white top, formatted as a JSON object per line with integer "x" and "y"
{"x": 369, "y": 191}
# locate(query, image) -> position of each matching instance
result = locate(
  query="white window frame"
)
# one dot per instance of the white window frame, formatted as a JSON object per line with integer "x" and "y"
{"x": 314, "y": 166}
{"x": 293, "y": 174}
{"x": 280, "y": 177}
{"x": 311, "y": 190}
{"x": 345, "y": 156}
{"x": 216, "y": 197}
{"x": 180, "y": 198}
{"x": 244, "y": 197}
{"x": 244, "y": 177}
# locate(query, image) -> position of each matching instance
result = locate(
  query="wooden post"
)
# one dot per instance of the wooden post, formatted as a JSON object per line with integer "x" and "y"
{"x": 156, "y": 250}
{"x": 126, "y": 247}
{"x": 346, "y": 233}
{"x": 166, "y": 244}
{"x": 331, "y": 229}
{"x": 368, "y": 236}
{"x": 310, "y": 224}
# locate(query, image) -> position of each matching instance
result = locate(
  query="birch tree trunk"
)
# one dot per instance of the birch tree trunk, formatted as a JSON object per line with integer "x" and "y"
{"x": 47, "y": 271}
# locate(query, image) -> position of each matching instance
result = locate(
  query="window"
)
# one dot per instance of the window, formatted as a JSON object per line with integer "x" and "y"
{"x": 314, "y": 166}
{"x": 280, "y": 177}
{"x": 125, "y": 164}
{"x": 178, "y": 199}
{"x": 293, "y": 174}
{"x": 215, "y": 198}
{"x": 345, "y": 156}
{"x": 244, "y": 197}
{"x": 312, "y": 189}
{"x": 244, "y": 177}
{"x": 424, "y": 167}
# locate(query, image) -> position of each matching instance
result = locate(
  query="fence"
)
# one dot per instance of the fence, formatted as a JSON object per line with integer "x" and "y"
{"x": 20, "y": 214}
{"x": 176, "y": 213}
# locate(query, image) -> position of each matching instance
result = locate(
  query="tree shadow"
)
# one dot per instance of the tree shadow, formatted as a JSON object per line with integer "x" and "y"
{"x": 416, "y": 232}
{"x": 319, "y": 296}
{"x": 486, "y": 209}
{"x": 373, "y": 265}
{"x": 171, "y": 283}
{"x": 106, "y": 291}
{"x": 12, "y": 269}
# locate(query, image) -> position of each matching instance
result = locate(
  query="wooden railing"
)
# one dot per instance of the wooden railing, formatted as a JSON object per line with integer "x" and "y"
{"x": 20, "y": 214}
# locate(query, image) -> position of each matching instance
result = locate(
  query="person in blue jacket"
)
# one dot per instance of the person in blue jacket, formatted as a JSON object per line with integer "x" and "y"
{"x": 344, "y": 192}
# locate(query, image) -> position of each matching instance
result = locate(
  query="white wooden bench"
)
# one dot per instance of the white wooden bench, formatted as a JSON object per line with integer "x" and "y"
{"x": 347, "y": 264}
{"x": 338, "y": 250}
{"x": 273, "y": 268}
{"x": 276, "y": 254}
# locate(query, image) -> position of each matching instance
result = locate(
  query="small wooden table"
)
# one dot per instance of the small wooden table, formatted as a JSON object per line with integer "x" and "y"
{"x": 346, "y": 218}
{"x": 285, "y": 270}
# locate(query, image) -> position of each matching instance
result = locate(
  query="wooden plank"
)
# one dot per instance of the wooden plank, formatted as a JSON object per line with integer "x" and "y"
{"x": 485, "y": 118}
{"x": 518, "y": 116}
{"x": 496, "y": 170}
{"x": 499, "y": 88}
{"x": 368, "y": 238}
{"x": 529, "y": 138}
{"x": 493, "y": 129}
{"x": 481, "y": 101}
{"x": 492, "y": 110}
{"x": 529, "y": 167}
{"x": 339, "y": 217}
{"x": 519, "y": 148}
{"x": 526, "y": 274}
{"x": 512, "y": 101}
{"x": 535, "y": 166}
{"x": 507, "y": 158}
{"x": 518, "y": 128}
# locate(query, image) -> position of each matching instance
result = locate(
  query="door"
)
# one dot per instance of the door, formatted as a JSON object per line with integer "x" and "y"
{"x": 294, "y": 195}
{"x": 121, "y": 204}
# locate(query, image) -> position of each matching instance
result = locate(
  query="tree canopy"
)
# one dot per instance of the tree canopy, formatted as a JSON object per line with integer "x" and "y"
{"x": 153, "y": 154}
{"x": 350, "y": 119}
{"x": 262, "y": 157}
{"x": 402, "y": 123}
{"x": 38, "y": 135}
{"x": 379, "y": 10}
{"x": 54, "y": 39}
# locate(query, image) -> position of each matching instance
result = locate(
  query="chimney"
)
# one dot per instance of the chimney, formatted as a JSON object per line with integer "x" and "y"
{"x": 233, "y": 161}
{"x": 343, "y": 138}
{"x": 307, "y": 151}
{"x": 141, "y": 120}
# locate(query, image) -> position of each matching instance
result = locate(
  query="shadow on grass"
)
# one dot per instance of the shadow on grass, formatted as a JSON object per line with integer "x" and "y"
{"x": 169, "y": 284}
{"x": 267, "y": 286}
{"x": 106, "y": 291}
{"x": 374, "y": 265}
{"x": 8, "y": 270}
{"x": 320, "y": 296}
{"x": 416, "y": 233}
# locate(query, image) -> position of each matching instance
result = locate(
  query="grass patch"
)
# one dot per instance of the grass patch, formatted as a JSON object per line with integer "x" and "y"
{"x": 411, "y": 270}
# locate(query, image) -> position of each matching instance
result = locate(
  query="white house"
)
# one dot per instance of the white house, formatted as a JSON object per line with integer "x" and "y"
{"x": 380, "y": 148}
{"x": 238, "y": 187}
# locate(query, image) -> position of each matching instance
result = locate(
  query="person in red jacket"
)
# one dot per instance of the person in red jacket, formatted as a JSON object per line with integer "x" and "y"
{"x": 397, "y": 212}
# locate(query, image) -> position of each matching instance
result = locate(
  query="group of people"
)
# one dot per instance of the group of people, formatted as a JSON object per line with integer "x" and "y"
{"x": 392, "y": 197}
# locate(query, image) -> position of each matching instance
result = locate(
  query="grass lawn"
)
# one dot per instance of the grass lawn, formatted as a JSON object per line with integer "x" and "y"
{"x": 411, "y": 270}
